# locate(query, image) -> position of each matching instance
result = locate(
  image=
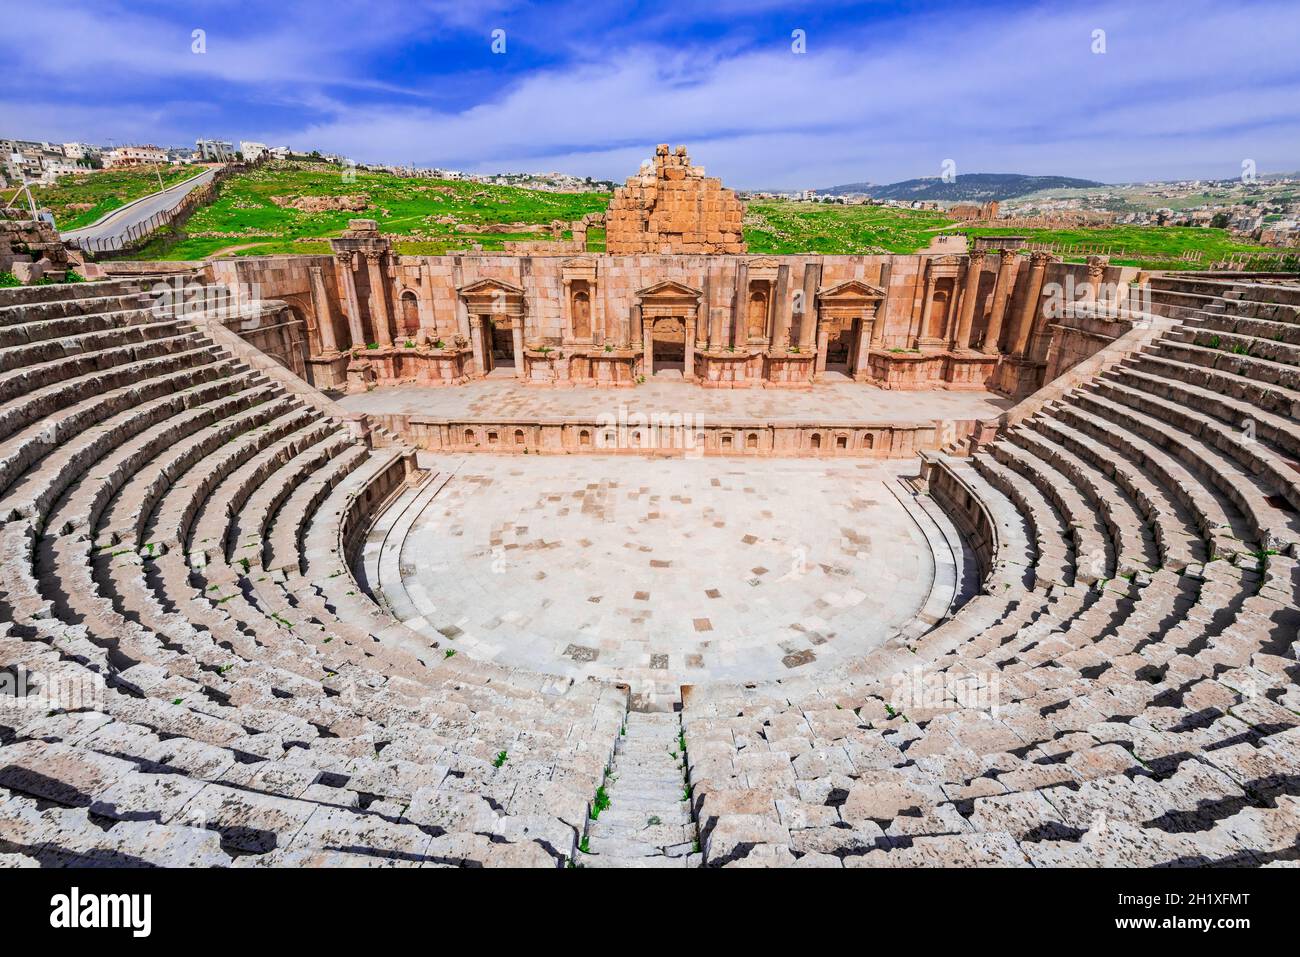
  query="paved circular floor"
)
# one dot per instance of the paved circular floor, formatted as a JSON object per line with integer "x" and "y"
{"x": 663, "y": 571}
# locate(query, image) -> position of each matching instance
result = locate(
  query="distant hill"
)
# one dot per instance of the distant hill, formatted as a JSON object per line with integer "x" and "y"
{"x": 968, "y": 187}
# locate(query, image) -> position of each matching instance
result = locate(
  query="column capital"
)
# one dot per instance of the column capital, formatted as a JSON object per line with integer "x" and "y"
{"x": 1006, "y": 257}
{"x": 1039, "y": 260}
{"x": 976, "y": 258}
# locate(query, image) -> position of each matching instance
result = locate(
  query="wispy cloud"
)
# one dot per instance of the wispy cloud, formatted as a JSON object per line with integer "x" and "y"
{"x": 1185, "y": 89}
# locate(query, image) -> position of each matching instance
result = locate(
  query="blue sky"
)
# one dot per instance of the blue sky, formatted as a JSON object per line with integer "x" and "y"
{"x": 883, "y": 91}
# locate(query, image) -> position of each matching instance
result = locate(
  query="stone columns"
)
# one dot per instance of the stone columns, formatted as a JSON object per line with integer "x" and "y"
{"x": 866, "y": 326}
{"x": 566, "y": 308}
{"x": 823, "y": 343}
{"x": 781, "y": 310}
{"x": 688, "y": 357}
{"x": 961, "y": 341}
{"x": 329, "y": 346}
{"x": 715, "y": 317}
{"x": 625, "y": 327}
{"x": 926, "y": 305}
{"x": 378, "y": 302}
{"x": 808, "y": 321}
{"x": 344, "y": 262}
{"x": 476, "y": 343}
{"x": 1029, "y": 308}
{"x": 740, "y": 307}
{"x": 647, "y": 347}
{"x": 517, "y": 337}
{"x": 428, "y": 322}
{"x": 599, "y": 313}
{"x": 1001, "y": 295}
{"x": 881, "y": 309}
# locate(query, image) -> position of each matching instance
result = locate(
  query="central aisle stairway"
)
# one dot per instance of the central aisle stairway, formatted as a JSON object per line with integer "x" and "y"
{"x": 646, "y": 821}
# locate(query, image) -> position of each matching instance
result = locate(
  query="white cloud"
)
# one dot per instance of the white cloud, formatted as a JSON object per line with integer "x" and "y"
{"x": 1190, "y": 89}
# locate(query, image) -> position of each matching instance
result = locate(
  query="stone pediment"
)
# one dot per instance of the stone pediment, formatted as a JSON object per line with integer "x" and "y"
{"x": 578, "y": 268}
{"x": 668, "y": 289}
{"x": 488, "y": 286}
{"x": 852, "y": 289}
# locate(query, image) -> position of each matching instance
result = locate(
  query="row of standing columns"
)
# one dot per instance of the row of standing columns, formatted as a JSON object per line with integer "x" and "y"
{"x": 709, "y": 326}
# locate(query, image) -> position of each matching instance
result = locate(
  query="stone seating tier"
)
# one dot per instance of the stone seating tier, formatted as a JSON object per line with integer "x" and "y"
{"x": 181, "y": 526}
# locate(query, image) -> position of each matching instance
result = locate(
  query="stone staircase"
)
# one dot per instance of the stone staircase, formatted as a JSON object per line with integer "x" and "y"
{"x": 647, "y": 822}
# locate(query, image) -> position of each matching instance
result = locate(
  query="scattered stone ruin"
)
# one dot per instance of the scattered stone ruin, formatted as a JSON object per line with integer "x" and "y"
{"x": 30, "y": 248}
{"x": 672, "y": 207}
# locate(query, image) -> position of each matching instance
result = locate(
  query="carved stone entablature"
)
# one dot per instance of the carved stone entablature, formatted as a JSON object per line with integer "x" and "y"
{"x": 496, "y": 297}
{"x": 572, "y": 270}
{"x": 940, "y": 267}
{"x": 668, "y": 298}
{"x": 853, "y": 298}
{"x": 762, "y": 269}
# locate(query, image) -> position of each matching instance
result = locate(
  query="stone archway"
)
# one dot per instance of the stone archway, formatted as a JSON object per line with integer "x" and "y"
{"x": 496, "y": 310}
{"x": 846, "y": 327}
{"x": 409, "y": 315}
{"x": 679, "y": 304}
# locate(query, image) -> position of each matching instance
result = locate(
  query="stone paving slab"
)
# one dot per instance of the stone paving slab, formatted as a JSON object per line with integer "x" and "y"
{"x": 495, "y": 399}
{"x": 663, "y": 572}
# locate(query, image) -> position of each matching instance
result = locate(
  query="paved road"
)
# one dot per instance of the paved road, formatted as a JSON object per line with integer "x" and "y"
{"x": 116, "y": 223}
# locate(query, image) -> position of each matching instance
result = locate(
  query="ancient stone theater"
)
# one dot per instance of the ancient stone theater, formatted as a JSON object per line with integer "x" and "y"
{"x": 666, "y": 555}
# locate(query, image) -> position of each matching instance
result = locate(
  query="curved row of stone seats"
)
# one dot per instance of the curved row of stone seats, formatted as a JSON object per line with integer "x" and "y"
{"x": 61, "y": 319}
{"x": 174, "y": 577}
{"x": 222, "y": 730}
{"x": 67, "y": 295}
{"x": 1191, "y": 297}
{"x": 1135, "y": 700}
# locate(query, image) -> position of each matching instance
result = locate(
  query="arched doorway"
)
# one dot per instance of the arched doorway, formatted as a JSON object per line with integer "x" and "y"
{"x": 939, "y": 309}
{"x": 409, "y": 315}
{"x": 756, "y": 325}
{"x": 581, "y": 315}
{"x": 667, "y": 313}
{"x": 497, "y": 320}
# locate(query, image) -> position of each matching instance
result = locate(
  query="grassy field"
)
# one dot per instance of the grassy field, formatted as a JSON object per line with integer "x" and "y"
{"x": 783, "y": 227}
{"x": 424, "y": 212}
{"x": 251, "y": 217}
{"x": 79, "y": 199}
{"x": 1151, "y": 246}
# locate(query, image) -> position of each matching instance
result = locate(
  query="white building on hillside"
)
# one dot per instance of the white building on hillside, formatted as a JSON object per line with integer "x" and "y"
{"x": 215, "y": 151}
{"x": 135, "y": 156}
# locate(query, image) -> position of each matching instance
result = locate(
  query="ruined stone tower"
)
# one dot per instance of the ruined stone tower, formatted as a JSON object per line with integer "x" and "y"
{"x": 674, "y": 208}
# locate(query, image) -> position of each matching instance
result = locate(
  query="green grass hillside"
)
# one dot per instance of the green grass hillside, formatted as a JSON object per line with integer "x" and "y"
{"x": 782, "y": 227}
{"x": 255, "y": 215}
{"x": 79, "y": 199}
{"x": 1156, "y": 247}
{"x": 252, "y": 215}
